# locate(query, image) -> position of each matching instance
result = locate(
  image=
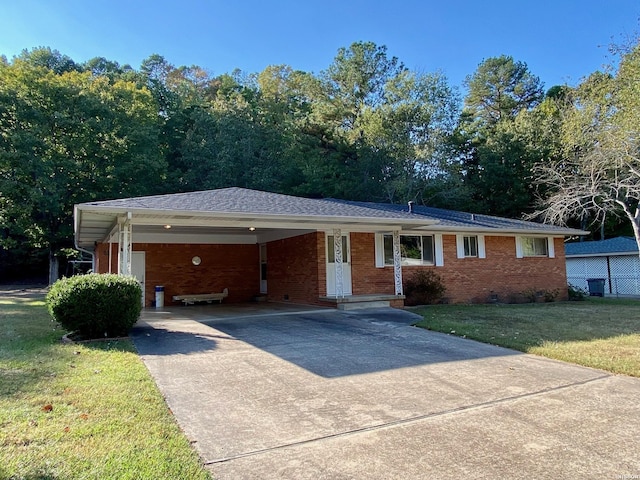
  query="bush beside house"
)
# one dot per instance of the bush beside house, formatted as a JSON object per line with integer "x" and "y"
{"x": 96, "y": 305}
{"x": 423, "y": 287}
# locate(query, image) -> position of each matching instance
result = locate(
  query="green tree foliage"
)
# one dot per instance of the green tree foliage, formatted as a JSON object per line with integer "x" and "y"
{"x": 500, "y": 88}
{"x": 493, "y": 150}
{"x": 67, "y": 138}
{"x": 599, "y": 173}
{"x": 393, "y": 120}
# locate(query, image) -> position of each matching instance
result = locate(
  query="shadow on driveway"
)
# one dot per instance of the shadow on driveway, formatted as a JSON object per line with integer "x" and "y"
{"x": 335, "y": 344}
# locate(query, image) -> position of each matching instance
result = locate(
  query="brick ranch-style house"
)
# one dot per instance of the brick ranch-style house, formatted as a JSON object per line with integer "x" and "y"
{"x": 315, "y": 251}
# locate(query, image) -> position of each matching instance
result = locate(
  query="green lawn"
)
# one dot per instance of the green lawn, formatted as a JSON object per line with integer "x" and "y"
{"x": 599, "y": 333}
{"x": 87, "y": 411}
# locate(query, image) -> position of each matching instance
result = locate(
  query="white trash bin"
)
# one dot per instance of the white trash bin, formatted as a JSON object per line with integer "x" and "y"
{"x": 159, "y": 296}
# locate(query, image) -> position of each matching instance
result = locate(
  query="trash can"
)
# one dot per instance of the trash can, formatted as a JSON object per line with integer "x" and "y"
{"x": 596, "y": 287}
{"x": 159, "y": 296}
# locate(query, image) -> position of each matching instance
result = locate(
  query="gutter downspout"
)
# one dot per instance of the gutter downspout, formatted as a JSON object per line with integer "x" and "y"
{"x": 84, "y": 250}
{"x": 77, "y": 213}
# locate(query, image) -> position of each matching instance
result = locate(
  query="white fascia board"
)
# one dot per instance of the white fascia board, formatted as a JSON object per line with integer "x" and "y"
{"x": 145, "y": 217}
{"x": 76, "y": 223}
{"x": 499, "y": 232}
{"x": 609, "y": 254}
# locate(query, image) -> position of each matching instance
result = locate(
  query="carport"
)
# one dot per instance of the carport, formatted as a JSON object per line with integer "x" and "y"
{"x": 252, "y": 243}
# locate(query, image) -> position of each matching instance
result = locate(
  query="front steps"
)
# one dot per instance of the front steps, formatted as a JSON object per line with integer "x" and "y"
{"x": 354, "y": 302}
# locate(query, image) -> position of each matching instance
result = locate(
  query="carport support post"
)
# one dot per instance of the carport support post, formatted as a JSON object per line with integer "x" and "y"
{"x": 337, "y": 253}
{"x": 397, "y": 262}
{"x": 124, "y": 239}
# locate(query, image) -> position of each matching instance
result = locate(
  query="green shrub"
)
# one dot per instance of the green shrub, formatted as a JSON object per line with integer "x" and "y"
{"x": 423, "y": 287}
{"x": 96, "y": 305}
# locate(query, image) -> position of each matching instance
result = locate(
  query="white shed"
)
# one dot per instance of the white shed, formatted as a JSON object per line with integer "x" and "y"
{"x": 615, "y": 260}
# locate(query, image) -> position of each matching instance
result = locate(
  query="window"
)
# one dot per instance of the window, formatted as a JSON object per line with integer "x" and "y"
{"x": 534, "y": 247}
{"x": 331, "y": 254}
{"x": 470, "y": 246}
{"x": 414, "y": 250}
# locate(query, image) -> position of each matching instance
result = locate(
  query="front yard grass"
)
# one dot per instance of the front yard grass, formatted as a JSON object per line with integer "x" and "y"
{"x": 599, "y": 333}
{"x": 87, "y": 411}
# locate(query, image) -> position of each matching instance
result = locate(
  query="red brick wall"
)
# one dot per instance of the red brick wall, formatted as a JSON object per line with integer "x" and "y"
{"x": 366, "y": 278}
{"x": 102, "y": 258}
{"x": 468, "y": 279}
{"x": 296, "y": 269}
{"x": 235, "y": 267}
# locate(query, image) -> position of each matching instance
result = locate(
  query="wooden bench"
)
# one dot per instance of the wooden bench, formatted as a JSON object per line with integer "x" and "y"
{"x": 201, "y": 297}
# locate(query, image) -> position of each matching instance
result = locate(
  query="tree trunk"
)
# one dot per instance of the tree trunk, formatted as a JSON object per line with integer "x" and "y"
{"x": 53, "y": 268}
{"x": 634, "y": 218}
{"x": 635, "y": 223}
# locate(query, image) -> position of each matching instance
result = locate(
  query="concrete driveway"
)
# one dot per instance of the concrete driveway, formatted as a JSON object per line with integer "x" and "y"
{"x": 316, "y": 394}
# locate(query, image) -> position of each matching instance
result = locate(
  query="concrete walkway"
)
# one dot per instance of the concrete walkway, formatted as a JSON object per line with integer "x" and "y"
{"x": 290, "y": 394}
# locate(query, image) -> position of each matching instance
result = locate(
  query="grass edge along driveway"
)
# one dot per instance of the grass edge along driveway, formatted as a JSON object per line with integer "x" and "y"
{"x": 81, "y": 410}
{"x": 597, "y": 333}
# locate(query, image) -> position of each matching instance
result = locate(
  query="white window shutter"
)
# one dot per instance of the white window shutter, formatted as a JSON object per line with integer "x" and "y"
{"x": 460, "y": 245}
{"x": 519, "y": 252}
{"x": 482, "y": 252}
{"x": 551, "y": 247}
{"x": 439, "y": 250}
{"x": 379, "y": 245}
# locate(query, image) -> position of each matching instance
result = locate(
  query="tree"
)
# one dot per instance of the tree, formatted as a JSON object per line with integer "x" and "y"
{"x": 491, "y": 155}
{"x": 67, "y": 138}
{"x": 50, "y": 59}
{"x": 500, "y": 88}
{"x": 385, "y": 120}
{"x": 599, "y": 174}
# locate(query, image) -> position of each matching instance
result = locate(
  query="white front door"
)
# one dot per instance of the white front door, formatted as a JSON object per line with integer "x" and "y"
{"x": 138, "y": 269}
{"x": 331, "y": 266}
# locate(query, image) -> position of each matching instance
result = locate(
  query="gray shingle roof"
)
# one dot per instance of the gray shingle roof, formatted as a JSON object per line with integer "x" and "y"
{"x": 604, "y": 247}
{"x": 245, "y": 201}
{"x": 456, "y": 219}
{"x": 253, "y": 202}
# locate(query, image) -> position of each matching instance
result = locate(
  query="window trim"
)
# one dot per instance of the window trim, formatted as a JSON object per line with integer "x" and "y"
{"x": 482, "y": 252}
{"x": 520, "y": 247}
{"x": 438, "y": 253}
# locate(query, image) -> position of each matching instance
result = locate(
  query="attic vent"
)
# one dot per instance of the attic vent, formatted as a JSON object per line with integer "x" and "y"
{"x": 411, "y": 207}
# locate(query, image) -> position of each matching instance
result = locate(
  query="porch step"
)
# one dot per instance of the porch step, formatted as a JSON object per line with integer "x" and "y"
{"x": 353, "y": 302}
{"x": 366, "y": 304}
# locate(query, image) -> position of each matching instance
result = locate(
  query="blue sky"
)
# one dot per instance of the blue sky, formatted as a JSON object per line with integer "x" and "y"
{"x": 560, "y": 40}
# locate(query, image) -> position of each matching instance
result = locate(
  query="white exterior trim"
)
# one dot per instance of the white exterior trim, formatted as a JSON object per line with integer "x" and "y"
{"x": 439, "y": 250}
{"x": 482, "y": 252}
{"x": 379, "y": 249}
{"x": 519, "y": 252}
{"x": 460, "y": 245}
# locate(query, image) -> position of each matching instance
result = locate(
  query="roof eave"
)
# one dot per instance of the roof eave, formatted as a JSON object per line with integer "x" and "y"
{"x": 509, "y": 231}
{"x": 602, "y": 254}
{"x": 320, "y": 219}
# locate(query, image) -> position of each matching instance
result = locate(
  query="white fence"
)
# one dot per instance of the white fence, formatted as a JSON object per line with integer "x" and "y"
{"x": 621, "y": 273}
